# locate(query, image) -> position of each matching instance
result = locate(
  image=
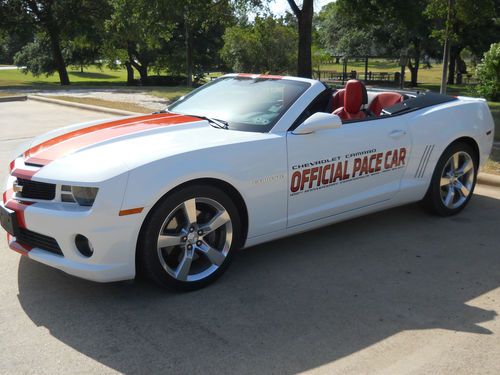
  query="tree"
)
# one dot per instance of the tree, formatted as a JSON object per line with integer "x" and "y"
{"x": 473, "y": 25}
{"x": 15, "y": 31}
{"x": 267, "y": 46}
{"x": 200, "y": 29}
{"x": 136, "y": 30}
{"x": 337, "y": 35}
{"x": 384, "y": 27}
{"x": 55, "y": 22}
{"x": 36, "y": 57}
{"x": 305, "y": 22}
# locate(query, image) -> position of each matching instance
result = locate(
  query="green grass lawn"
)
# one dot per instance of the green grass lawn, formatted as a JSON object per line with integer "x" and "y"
{"x": 170, "y": 93}
{"x": 432, "y": 75}
{"x": 92, "y": 76}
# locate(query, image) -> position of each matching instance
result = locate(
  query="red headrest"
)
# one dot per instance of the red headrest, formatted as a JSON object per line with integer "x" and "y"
{"x": 384, "y": 100}
{"x": 354, "y": 95}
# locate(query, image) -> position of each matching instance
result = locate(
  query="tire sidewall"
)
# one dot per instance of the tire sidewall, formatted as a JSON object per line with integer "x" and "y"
{"x": 147, "y": 244}
{"x": 434, "y": 193}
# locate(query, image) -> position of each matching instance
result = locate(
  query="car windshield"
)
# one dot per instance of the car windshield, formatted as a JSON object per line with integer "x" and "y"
{"x": 244, "y": 103}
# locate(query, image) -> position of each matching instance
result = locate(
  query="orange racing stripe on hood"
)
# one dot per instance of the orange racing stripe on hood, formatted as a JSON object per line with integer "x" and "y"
{"x": 70, "y": 142}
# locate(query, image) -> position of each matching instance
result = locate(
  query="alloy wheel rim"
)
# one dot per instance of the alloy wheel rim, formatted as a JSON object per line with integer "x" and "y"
{"x": 194, "y": 240}
{"x": 457, "y": 179}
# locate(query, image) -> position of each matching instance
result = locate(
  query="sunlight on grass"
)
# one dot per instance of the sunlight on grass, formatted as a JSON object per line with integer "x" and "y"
{"x": 104, "y": 103}
{"x": 170, "y": 93}
{"x": 427, "y": 75}
{"x": 91, "y": 76}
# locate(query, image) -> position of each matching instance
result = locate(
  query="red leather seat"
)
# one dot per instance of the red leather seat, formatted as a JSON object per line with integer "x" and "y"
{"x": 384, "y": 100}
{"x": 338, "y": 99}
{"x": 354, "y": 97}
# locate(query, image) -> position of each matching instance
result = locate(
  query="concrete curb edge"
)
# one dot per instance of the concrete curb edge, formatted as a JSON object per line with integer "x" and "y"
{"x": 13, "y": 98}
{"x": 488, "y": 179}
{"x": 88, "y": 107}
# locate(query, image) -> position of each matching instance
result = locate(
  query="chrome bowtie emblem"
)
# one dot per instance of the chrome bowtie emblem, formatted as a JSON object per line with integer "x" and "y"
{"x": 17, "y": 188}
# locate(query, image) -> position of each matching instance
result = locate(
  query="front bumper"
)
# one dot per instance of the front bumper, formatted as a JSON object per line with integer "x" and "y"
{"x": 113, "y": 237}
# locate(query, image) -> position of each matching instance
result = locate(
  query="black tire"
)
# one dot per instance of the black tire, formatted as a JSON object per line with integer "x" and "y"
{"x": 433, "y": 201}
{"x": 148, "y": 256}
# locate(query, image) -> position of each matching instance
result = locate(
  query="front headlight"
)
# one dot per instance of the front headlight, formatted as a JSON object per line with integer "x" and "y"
{"x": 84, "y": 196}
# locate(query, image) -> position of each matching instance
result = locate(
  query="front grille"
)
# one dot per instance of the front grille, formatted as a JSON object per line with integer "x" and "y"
{"x": 32, "y": 239}
{"x": 36, "y": 190}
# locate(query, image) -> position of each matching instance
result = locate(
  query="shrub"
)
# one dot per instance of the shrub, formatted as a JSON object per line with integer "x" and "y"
{"x": 488, "y": 74}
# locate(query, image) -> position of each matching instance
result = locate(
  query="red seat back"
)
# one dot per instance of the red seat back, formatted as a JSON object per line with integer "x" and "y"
{"x": 338, "y": 99}
{"x": 354, "y": 96}
{"x": 384, "y": 100}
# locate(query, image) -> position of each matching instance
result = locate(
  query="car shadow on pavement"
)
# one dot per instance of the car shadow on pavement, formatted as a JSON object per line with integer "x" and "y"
{"x": 286, "y": 306}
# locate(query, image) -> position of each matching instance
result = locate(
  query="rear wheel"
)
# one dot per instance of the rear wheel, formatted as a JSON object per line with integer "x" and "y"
{"x": 453, "y": 180}
{"x": 189, "y": 237}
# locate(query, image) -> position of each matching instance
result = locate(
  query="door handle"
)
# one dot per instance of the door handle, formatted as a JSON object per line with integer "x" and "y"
{"x": 396, "y": 134}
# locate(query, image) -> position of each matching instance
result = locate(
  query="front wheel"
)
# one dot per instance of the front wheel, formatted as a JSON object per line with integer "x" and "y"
{"x": 189, "y": 237}
{"x": 453, "y": 180}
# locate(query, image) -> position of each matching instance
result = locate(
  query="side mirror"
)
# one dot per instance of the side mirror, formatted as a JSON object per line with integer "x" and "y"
{"x": 318, "y": 121}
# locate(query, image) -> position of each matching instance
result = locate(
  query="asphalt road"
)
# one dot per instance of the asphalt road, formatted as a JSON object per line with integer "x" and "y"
{"x": 397, "y": 292}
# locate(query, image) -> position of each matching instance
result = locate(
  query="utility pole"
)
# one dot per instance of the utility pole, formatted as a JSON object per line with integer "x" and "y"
{"x": 446, "y": 52}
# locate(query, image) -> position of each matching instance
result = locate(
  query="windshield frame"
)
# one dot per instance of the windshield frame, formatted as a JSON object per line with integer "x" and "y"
{"x": 258, "y": 128}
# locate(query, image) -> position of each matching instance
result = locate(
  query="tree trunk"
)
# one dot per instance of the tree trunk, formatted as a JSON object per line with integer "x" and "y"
{"x": 58, "y": 57}
{"x": 454, "y": 53}
{"x": 130, "y": 74}
{"x": 414, "y": 70}
{"x": 189, "y": 54}
{"x": 142, "y": 68}
{"x": 143, "y": 72}
{"x": 304, "y": 18}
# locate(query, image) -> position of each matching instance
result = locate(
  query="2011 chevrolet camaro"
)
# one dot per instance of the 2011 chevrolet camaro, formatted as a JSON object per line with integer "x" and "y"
{"x": 242, "y": 160}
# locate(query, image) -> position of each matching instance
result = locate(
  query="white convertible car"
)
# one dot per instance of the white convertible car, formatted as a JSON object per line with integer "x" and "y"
{"x": 242, "y": 160}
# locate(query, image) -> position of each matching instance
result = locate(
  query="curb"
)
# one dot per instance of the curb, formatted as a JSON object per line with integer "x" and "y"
{"x": 13, "y": 98}
{"x": 488, "y": 179}
{"x": 88, "y": 107}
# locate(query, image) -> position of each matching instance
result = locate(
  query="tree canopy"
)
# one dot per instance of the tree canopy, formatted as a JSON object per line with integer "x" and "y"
{"x": 186, "y": 38}
{"x": 266, "y": 46}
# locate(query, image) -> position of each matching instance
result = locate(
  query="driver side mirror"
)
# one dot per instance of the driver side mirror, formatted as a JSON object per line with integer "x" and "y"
{"x": 318, "y": 121}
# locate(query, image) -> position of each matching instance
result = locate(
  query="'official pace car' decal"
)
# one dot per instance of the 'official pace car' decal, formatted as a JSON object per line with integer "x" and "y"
{"x": 324, "y": 173}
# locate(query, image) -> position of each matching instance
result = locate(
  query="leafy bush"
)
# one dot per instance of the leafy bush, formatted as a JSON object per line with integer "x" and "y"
{"x": 488, "y": 74}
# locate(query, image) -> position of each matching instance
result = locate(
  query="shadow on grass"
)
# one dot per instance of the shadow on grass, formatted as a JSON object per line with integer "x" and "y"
{"x": 93, "y": 75}
{"x": 286, "y": 306}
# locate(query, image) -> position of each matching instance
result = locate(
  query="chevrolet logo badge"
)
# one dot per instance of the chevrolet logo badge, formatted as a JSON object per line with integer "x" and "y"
{"x": 17, "y": 188}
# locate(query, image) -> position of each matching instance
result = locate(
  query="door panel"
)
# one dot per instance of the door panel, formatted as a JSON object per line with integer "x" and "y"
{"x": 337, "y": 170}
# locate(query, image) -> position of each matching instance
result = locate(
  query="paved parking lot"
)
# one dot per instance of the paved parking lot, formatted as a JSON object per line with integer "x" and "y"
{"x": 397, "y": 292}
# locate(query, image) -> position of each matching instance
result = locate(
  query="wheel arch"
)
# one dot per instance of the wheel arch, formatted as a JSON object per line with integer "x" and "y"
{"x": 472, "y": 143}
{"x": 226, "y": 187}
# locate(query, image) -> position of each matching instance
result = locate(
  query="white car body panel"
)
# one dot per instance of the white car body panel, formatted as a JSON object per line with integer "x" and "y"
{"x": 138, "y": 169}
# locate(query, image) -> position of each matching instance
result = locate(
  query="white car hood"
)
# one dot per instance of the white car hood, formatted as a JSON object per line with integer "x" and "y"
{"x": 101, "y": 150}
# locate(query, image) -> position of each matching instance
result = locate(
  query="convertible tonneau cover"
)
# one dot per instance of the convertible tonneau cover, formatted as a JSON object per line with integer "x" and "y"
{"x": 423, "y": 100}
